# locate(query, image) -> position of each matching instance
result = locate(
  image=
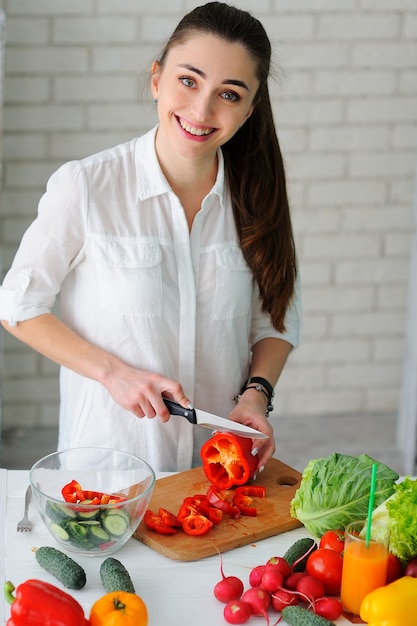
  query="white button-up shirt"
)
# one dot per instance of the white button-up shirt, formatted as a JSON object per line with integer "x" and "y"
{"x": 112, "y": 238}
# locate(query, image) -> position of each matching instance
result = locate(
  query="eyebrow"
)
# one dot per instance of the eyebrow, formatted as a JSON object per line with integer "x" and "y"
{"x": 227, "y": 81}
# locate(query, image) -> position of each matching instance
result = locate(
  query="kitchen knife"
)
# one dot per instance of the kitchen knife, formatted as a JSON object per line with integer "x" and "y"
{"x": 208, "y": 420}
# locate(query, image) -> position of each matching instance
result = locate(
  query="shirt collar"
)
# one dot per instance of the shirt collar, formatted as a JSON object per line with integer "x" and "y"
{"x": 151, "y": 180}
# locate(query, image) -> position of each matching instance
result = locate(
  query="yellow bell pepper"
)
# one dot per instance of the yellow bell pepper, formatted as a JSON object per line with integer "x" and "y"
{"x": 392, "y": 605}
{"x": 119, "y": 608}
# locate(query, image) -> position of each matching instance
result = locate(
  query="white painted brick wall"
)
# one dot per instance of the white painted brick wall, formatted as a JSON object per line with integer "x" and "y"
{"x": 345, "y": 101}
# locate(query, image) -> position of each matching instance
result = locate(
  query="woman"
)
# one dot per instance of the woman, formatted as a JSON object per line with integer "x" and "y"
{"x": 173, "y": 255}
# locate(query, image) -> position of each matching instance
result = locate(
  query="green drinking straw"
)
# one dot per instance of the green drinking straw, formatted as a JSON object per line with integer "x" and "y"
{"x": 371, "y": 505}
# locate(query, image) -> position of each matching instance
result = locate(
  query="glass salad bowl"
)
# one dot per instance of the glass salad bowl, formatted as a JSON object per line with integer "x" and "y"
{"x": 91, "y": 499}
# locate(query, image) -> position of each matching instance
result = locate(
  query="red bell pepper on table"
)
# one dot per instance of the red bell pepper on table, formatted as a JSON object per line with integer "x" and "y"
{"x": 228, "y": 460}
{"x": 37, "y": 603}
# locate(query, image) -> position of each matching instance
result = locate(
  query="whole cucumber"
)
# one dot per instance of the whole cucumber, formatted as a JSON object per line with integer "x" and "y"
{"x": 61, "y": 566}
{"x": 297, "y": 616}
{"x": 115, "y": 576}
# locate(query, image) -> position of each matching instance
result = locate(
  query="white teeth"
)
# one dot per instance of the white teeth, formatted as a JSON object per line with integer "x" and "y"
{"x": 195, "y": 131}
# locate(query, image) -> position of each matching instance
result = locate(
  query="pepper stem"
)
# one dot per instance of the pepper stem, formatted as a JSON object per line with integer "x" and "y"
{"x": 8, "y": 589}
{"x": 118, "y": 604}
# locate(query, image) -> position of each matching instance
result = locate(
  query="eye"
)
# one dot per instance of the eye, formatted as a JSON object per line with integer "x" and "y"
{"x": 232, "y": 96}
{"x": 188, "y": 82}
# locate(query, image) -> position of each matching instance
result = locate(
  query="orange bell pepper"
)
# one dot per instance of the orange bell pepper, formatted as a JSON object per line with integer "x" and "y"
{"x": 119, "y": 608}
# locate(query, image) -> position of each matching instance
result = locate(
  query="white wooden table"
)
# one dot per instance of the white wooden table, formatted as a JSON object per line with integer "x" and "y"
{"x": 175, "y": 592}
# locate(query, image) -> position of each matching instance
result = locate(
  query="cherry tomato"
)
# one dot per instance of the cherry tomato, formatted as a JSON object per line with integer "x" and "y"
{"x": 326, "y": 565}
{"x": 333, "y": 540}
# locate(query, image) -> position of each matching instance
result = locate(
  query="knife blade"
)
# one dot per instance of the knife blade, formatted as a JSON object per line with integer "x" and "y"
{"x": 214, "y": 422}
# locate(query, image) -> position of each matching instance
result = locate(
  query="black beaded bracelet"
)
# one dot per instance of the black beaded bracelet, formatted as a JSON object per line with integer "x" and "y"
{"x": 262, "y": 381}
{"x": 262, "y": 385}
{"x": 270, "y": 406}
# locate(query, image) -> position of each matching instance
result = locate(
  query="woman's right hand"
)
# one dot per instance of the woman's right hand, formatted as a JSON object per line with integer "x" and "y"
{"x": 140, "y": 392}
{"x": 135, "y": 390}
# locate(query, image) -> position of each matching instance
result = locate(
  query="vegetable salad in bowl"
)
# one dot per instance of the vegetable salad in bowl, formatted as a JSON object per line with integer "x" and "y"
{"x": 92, "y": 499}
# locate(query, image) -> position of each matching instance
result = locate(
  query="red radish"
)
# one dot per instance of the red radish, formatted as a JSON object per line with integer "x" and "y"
{"x": 272, "y": 578}
{"x": 292, "y": 580}
{"x": 310, "y": 588}
{"x": 329, "y": 608}
{"x": 282, "y": 598}
{"x": 255, "y": 576}
{"x": 281, "y": 563}
{"x": 229, "y": 587}
{"x": 411, "y": 568}
{"x": 237, "y": 612}
{"x": 259, "y": 601}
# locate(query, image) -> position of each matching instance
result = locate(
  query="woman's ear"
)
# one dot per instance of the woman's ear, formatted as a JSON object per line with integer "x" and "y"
{"x": 155, "y": 74}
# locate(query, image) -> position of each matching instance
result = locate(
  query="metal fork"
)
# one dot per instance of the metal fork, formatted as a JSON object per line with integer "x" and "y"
{"x": 25, "y": 525}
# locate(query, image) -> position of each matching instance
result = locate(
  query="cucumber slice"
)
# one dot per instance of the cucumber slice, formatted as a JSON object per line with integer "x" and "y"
{"x": 76, "y": 530}
{"x": 58, "y": 531}
{"x": 88, "y": 513}
{"x": 98, "y": 535}
{"x": 58, "y": 512}
{"x": 115, "y": 524}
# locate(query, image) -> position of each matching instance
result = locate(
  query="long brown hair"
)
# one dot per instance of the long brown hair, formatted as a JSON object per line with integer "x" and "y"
{"x": 253, "y": 163}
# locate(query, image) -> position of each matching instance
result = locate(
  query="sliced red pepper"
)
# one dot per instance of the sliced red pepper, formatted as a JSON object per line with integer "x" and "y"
{"x": 214, "y": 514}
{"x": 227, "y": 460}
{"x": 155, "y": 522}
{"x": 243, "y": 498}
{"x": 74, "y": 493}
{"x": 69, "y": 491}
{"x": 218, "y": 499}
{"x": 196, "y": 525}
{"x": 255, "y": 491}
{"x": 187, "y": 509}
{"x": 244, "y": 504}
{"x": 168, "y": 518}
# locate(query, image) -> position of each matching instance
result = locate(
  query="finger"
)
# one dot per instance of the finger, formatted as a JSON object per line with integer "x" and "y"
{"x": 264, "y": 456}
{"x": 176, "y": 392}
{"x": 137, "y": 411}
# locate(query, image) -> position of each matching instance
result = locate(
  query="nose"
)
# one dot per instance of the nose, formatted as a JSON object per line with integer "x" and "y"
{"x": 202, "y": 107}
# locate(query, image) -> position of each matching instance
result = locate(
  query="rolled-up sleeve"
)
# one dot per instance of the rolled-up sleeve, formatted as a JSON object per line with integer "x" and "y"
{"x": 262, "y": 327}
{"x": 47, "y": 249}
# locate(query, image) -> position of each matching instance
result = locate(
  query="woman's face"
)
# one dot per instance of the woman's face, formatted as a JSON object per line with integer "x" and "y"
{"x": 206, "y": 89}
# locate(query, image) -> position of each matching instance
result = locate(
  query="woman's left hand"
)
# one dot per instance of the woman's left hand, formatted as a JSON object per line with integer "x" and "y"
{"x": 251, "y": 411}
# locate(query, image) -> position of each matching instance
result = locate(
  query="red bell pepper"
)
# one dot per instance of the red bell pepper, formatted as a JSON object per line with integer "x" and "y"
{"x": 227, "y": 460}
{"x": 38, "y": 603}
{"x": 243, "y": 498}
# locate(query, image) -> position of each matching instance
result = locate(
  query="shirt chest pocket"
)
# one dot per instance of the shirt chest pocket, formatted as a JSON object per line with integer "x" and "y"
{"x": 129, "y": 275}
{"x": 234, "y": 284}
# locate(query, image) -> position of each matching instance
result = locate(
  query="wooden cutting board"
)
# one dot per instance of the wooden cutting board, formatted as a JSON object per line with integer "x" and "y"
{"x": 281, "y": 482}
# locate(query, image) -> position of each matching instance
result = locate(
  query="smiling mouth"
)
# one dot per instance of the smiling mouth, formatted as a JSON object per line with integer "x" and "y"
{"x": 198, "y": 132}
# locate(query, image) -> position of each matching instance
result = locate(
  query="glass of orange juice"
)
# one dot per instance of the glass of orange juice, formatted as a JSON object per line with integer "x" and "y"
{"x": 365, "y": 565}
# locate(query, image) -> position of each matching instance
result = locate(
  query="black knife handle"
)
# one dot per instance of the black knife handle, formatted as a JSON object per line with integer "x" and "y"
{"x": 176, "y": 409}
